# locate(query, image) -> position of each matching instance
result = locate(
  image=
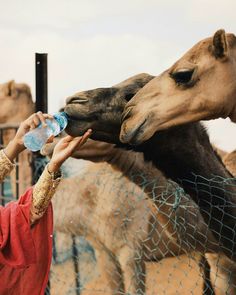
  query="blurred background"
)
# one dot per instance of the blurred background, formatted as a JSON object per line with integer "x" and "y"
{"x": 96, "y": 43}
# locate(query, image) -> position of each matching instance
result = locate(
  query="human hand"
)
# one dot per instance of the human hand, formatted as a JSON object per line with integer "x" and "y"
{"x": 17, "y": 145}
{"x": 29, "y": 124}
{"x": 65, "y": 148}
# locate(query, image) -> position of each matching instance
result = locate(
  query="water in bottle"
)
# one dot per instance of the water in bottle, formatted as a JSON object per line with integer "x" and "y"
{"x": 35, "y": 139}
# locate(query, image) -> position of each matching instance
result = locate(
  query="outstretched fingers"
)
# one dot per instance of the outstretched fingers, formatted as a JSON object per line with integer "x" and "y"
{"x": 74, "y": 143}
{"x": 77, "y": 142}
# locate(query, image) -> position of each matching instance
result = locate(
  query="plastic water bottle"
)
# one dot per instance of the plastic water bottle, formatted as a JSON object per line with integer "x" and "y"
{"x": 35, "y": 139}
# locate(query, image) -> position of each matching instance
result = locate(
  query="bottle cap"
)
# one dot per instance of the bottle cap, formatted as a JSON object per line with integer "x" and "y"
{"x": 62, "y": 119}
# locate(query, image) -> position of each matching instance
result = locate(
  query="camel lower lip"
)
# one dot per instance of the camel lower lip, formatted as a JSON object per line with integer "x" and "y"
{"x": 132, "y": 135}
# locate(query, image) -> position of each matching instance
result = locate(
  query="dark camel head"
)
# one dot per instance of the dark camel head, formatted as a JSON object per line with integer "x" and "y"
{"x": 101, "y": 109}
{"x": 199, "y": 86}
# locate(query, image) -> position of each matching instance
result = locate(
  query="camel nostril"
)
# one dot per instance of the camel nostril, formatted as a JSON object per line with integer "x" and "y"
{"x": 126, "y": 114}
{"x": 76, "y": 100}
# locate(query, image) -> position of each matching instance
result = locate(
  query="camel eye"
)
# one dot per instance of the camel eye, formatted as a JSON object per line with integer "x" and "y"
{"x": 182, "y": 76}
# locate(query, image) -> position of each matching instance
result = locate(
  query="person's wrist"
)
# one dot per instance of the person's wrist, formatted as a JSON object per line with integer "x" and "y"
{"x": 13, "y": 149}
{"x": 18, "y": 145}
{"x": 53, "y": 166}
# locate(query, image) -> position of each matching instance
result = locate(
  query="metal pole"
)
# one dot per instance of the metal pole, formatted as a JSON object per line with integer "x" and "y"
{"x": 41, "y": 71}
{"x": 41, "y": 104}
{"x": 41, "y": 87}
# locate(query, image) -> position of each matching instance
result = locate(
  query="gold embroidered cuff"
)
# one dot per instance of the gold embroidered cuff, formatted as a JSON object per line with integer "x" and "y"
{"x": 6, "y": 165}
{"x": 43, "y": 192}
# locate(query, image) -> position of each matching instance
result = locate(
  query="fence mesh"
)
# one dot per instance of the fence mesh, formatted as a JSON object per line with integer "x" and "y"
{"x": 137, "y": 233}
{"x": 142, "y": 236}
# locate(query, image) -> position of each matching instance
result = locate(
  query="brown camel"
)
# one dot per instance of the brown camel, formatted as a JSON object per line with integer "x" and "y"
{"x": 119, "y": 159}
{"x": 199, "y": 86}
{"x": 109, "y": 221}
{"x": 173, "y": 151}
{"x": 16, "y": 102}
{"x": 16, "y": 105}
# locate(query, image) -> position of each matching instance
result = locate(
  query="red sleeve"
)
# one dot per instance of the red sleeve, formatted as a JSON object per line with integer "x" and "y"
{"x": 25, "y": 252}
{"x": 17, "y": 247}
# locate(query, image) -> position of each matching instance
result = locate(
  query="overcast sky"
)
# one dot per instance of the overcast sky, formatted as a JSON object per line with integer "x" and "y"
{"x": 95, "y": 43}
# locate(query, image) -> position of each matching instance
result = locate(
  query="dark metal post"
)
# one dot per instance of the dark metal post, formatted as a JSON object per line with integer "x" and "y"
{"x": 41, "y": 68}
{"x": 41, "y": 87}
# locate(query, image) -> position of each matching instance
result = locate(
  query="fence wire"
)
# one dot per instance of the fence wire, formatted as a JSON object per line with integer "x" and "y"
{"x": 137, "y": 234}
{"x": 149, "y": 238}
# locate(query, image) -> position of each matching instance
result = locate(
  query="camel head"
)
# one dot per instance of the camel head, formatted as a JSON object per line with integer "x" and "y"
{"x": 101, "y": 109}
{"x": 199, "y": 86}
{"x": 16, "y": 102}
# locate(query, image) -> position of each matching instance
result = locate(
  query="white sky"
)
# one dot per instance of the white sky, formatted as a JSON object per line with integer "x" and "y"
{"x": 95, "y": 43}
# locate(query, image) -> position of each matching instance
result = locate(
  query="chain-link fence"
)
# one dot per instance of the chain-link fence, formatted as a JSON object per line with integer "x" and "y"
{"x": 141, "y": 235}
{"x": 132, "y": 232}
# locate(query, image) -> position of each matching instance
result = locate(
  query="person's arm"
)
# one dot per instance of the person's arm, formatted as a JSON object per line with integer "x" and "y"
{"x": 48, "y": 182}
{"x": 43, "y": 192}
{"x": 46, "y": 186}
{"x": 16, "y": 146}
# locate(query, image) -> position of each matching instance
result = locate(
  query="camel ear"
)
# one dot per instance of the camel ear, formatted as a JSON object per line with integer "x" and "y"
{"x": 220, "y": 46}
{"x": 10, "y": 87}
{"x": 10, "y": 83}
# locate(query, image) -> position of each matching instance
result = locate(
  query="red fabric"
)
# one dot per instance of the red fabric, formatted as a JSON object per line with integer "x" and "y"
{"x": 25, "y": 252}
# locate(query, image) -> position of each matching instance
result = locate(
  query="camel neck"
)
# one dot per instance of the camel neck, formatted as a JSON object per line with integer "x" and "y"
{"x": 184, "y": 152}
{"x": 126, "y": 160}
{"x": 192, "y": 163}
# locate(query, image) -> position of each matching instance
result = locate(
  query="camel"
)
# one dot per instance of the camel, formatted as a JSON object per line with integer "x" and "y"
{"x": 112, "y": 223}
{"x": 16, "y": 105}
{"x": 199, "y": 86}
{"x": 101, "y": 110}
{"x": 16, "y": 102}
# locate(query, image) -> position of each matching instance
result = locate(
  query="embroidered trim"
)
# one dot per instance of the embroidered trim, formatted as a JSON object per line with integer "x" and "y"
{"x": 43, "y": 192}
{"x": 6, "y": 165}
